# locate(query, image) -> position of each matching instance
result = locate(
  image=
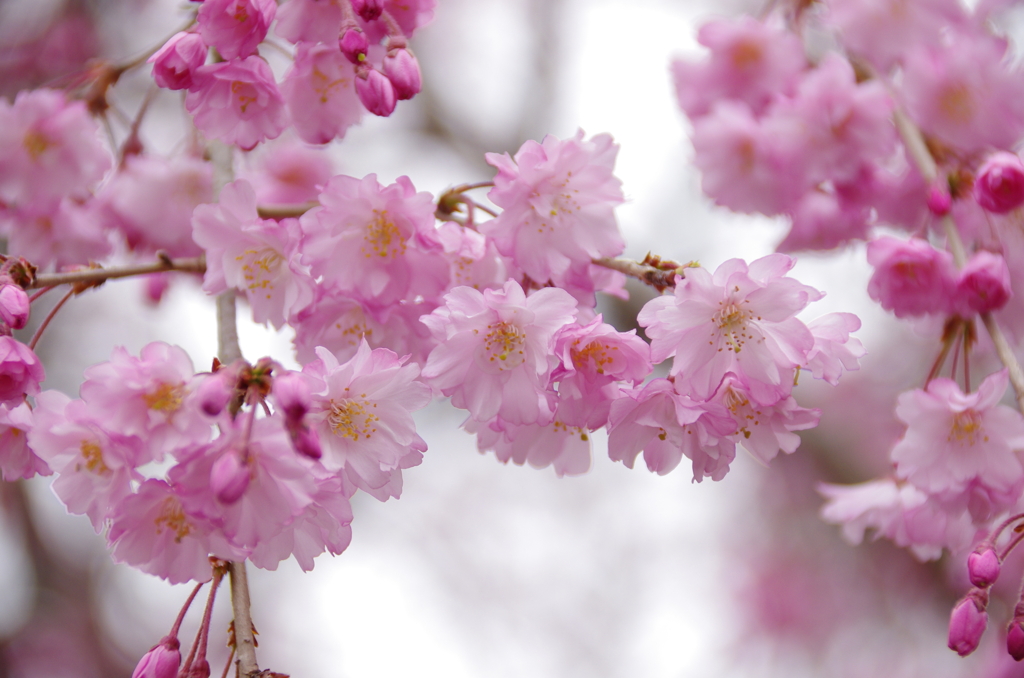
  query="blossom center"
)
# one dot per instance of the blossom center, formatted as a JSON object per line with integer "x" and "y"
{"x": 322, "y": 84}
{"x": 166, "y": 397}
{"x": 172, "y": 517}
{"x": 260, "y": 267}
{"x": 967, "y": 428}
{"x": 731, "y": 321}
{"x": 352, "y": 418}
{"x": 92, "y": 454}
{"x": 595, "y": 353}
{"x": 503, "y": 346}
{"x": 746, "y": 54}
{"x": 245, "y": 94}
{"x": 383, "y": 238}
{"x": 957, "y": 103}
{"x": 35, "y": 144}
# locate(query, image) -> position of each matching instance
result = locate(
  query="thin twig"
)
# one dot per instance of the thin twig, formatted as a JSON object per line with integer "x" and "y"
{"x": 285, "y": 211}
{"x": 97, "y": 275}
{"x": 657, "y": 277}
{"x": 245, "y": 642}
{"x": 48, "y": 318}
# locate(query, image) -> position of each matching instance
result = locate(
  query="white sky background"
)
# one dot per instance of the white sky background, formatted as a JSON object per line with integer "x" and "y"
{"x": 481, "y": 569}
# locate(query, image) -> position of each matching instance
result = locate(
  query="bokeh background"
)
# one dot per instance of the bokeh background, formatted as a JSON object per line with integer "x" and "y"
{"x": 485, "y": 570}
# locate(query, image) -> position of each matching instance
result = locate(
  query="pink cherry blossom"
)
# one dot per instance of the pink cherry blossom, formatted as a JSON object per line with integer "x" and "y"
{"x": 237, "y": 102}
{"x": 51, "y": 149}
{"x": 56, "y": 235}
{"x": 17, "y": 460}
{"x": 750, "y": 61}
{"x": 14, "y": 306}
{"x": 834, "y": 349}
{"x": 235, "y": 27}
{"x": 177, "y": 60}
{"x": 375, "y": 242}
{"x": 148, "y": 396}
{"x": 764, "y": 428}
{"x": 742, "y": 319}
{"x": 320, "y": 93}
{"x": 564, "y": 448}
{"x": 309, "y": 20}
{"x": 953, "y": 438}
{"x": 999, "y": 184}
{"x": 911, "y": 277}
{"x": 824, "y": 221}
{"x": 558, "y": 199}
{"x": 288, "y": 172}
{"x": 20, "y": 371}
{"x": 362, "y": 412}
{"x": 494, "y": 352}
{"x": 982, "y": 285}
{"x": 666, "y": 425}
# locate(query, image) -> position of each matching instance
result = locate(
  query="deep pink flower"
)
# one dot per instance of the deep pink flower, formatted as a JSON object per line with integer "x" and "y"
{"x": 983, "y": 567}
{"x": 982, "y": 285}
{"x": 17, "y": 459}
{"x": 495, "y": 350}
{"x": 954, "y": 438}
{"x": 14, "y": 306}
{"x": 665, "y": 426}
{"x": 235, "y": 27}
{"x": 160, "y": 662}
{"x": 375, "y": 91}
{"x": 362, "y": 412}
{"x": 20, "y": 371}
{"x": 402, "y": 69}
{"x": 237, "y": 102}
{"x": 177, "y": 60}
{"x": 320, "y": 91}
{"x": 999, "y": 183}
{"x": 558, "y": 199}
{"x": 742, "y": 319}
{"x": 911, "y": 277}
{"x": 967, "y": 622}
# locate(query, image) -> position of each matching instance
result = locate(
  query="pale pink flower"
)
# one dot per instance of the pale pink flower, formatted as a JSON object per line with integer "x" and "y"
{"x": 20, "y": 371}
{"x": 51, "y": 148}
{"x": 749, "y": 61}
{"x": 751, "y": 165}
{"x": 597, "y": 361}
{"x": 495, "y": 350}
{"x": 148, "y": 397}
{"x": 151, "y": 530}
{"x": 362, "y": 412}
{"x": 564, "y": 448}
{"x": 764, "y": 429}
{"x": 152, "y": 200}
{"x": 911, "y": 277}
{"x": 999, "y": 183}
{"x": 666, "y": 426}
{"x": 966, "y": 93}
{"x": 558, "y": 199}
{"x": 982, "y": 285}
{"x": 235, "y": 27}
{"x": 177, "y": 60}
{"x": 95, "y": 467}
{"x": 824, "y": 221}
{"x": 898, "y": 511}
{"x": 742, "y": 319}
{"x": 835, "y": 351}
{"x": 475, "y": 262}
{"x": 17, "y": 460}
{"x": 237, "y": 102}
{"x": 411, "y": 14}
{"x": 320, "y": 93}
{"x": 954, "y": 438}
{"x": 375, "y": 242}
{"x": 257, "y": 256}
{"x": 57, "y": 235}
{"x": 309, "y": 20}
{"x": 288, "y": 172}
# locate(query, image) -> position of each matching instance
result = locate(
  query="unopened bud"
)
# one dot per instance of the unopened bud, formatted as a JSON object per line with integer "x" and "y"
{"x": 939, "y": 200}
{"x": 999, "y": 186}
{"x": 216, "y": 391}
{"x": 403, "y": 71}
{"x": 160, "y": 662}
{"x": 376, "y": 92}
{"x": 14, "y": 306}
{"x": 353, "y": 45}
{"x": 229, "y": 477}
{"x": 200, "y": 669}
{"x": 291, "y": 393}
{"x": 1015, "y": 639}
{"x": 983, "y": 567}
{"x": 967, "y": 622}
{"x": 306, "y": 442}
{"x": 368, "y": 10}
{"x": 983, "y": 284}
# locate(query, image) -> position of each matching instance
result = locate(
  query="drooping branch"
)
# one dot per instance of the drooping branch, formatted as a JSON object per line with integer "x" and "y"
{"x": 90, "y": 277}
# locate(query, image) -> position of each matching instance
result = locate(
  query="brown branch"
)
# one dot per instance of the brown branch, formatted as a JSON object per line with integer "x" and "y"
{"x": 285, "y": 211}
{"x": 659, "y": 274}
{"x": 94, "y": 276}
{"x": 245, "y": 642}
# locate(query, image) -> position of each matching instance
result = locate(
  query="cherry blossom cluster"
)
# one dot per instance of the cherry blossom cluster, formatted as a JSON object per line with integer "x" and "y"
{"x": 855, "y": 120}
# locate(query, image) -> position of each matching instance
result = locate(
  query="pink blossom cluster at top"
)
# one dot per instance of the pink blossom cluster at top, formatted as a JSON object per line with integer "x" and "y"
{"x": 349, "y": 56}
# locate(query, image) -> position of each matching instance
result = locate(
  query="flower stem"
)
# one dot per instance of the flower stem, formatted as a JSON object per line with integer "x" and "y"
{"x": 48, "y": 318}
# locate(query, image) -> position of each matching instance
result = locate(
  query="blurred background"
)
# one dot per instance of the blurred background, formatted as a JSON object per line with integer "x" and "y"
{"x": 482, "y": 569}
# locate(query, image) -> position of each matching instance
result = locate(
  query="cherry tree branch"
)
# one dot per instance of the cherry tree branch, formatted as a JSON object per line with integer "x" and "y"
{"x": 659, "y": 274}
{"x": 94, "y": 276}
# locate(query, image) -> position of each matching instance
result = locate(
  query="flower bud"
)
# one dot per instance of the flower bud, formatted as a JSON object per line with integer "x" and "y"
{"x": 999, "y": 186}
{"x": 967, "y": 622}
{"x": 353, "y": 45}
{"x": 368, "y": 10}
{"x": 200, "y": 669}
{"x": 229, "y": 477}
{"x": 376, "y": 92}
{"x": 177, "y": 60}
{"x": 1015, "y": 639}
{"x": 160, "y": 662}
{"x": 983, "y": 284}
{"x": 306, "y": 443}
{"x": 291, "y": 393}
{"x": 216, "y": 391}
{"x": 403, "y": 71}
{"x": 939, "y": 200}
{"x": 983, "y": 567}
{"x": 14, "y": 306}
